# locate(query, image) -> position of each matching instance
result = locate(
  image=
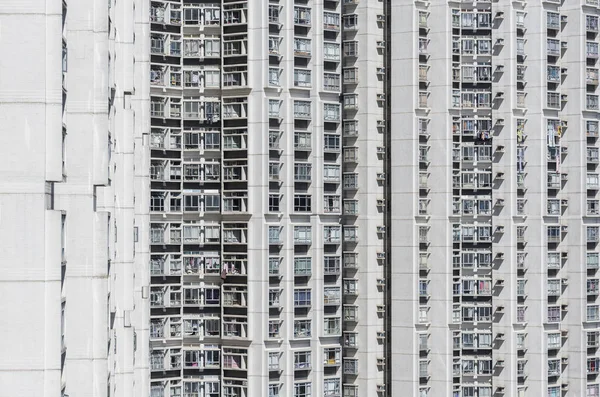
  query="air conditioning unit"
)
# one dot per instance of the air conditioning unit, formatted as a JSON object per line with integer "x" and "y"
{"x": 380, "y": 202}
{"x": 500, "y": 41}
{"x": 499, "y": 14}
{"x": 381, "y": 97}
{"x": 380, "y": 388}
{"x": 499, "y": 255}
{"x": 500, "y": 229}
{"x": 500, "y": 282}
{"x": 380, "y": 70}
{"x": 500, "y": 308}
{"x": 500, "y": 121}
{"x": 381, "y": 255}
{"x": 500, "y": 336}
{"x": 380, "y": 361}
{"x": 499, "y": 175}
{"x": 500, "y": 202}
{"x": 380, "y": 334}
{"x": 380, "y": 229}
{"x": 381, "y": 176}
{"x": 380, "y": 309}
{"x": 500, "y": 149}
{"x": 380, "y": 18}
{"x": 500, "y": 363}
{"x": 380, "y": 150}
{"x": 380, "y": 123}
{"x": 380, "y": 282}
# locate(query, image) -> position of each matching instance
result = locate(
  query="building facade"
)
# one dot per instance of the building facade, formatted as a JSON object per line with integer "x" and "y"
{"x": 71, "y": 113}
{"x": 494, "y": 195}
{"x": 266, "y": 203}
{"x": 300, "y": 198}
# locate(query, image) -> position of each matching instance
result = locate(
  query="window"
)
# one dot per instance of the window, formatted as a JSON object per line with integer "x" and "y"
{"x": 302, "y": 234}
{"x": 554, "y": 287}
{"x": 553, "y": 314}
{"x": 274, "y": 200}
{"x": 554, "y": 340}
{"x": 331, "y": 173}
{"x": 302, "y": 172}
{"x": 302, "y": 297}
{"x": 351, "y": 48}
{"x": 554, "y": 391}
{"x": 302, "y": 78}
{"x": 302, "y": 15}
{"x": 331, "y": 264}
{"x": 331, "y": 20}
{"x": 302, "y": 329}
{"x": 274, "y": 108}
{"x": 331, "y": 111}
{"x": 331, "y": 81}
{"x": 350, "y": 21}
{"x": 274, "y": 168}
{"x": 302, "y": 140}
{"x": 593, "y": 233}
{"x": 303, "y": 389}
{"x": 274, "y": 328}
{"x": 302, "y": 47}
{"x": 302, "y": 266}
{"x": 274, "y": 13}
{"x": 521, "y": 311}
{"x": 351, "y": 233}
{"x": 274, "y": 74}
{"x": 302, "y": 360}
{"x": 331, "y": 142}
{"x": 274, "y": 234}
{"x": 302, "y": 109}
{"x": 274, "y": 390}
{"x": 302, "y": 203}
{"x": 331, "y": 51}
{"x": 351, "y": 101}
{"x": 591, "y": 49}
{"x": 212, "y": 48}
{"x": 274, "y": 265}
{"x": 331, "y": 387}
{"x": 593, "y": 313}
{"x": 331, "y": 326}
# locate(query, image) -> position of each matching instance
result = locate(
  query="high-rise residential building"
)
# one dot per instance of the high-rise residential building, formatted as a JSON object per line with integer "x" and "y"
{"x": 72, "y": 118}
{"x": 266, "y": 206}
{"x": 494, "y": 198}
{"x": 299, "y": 198}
